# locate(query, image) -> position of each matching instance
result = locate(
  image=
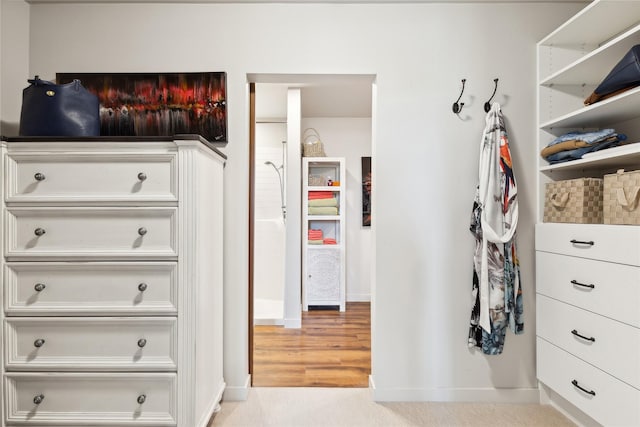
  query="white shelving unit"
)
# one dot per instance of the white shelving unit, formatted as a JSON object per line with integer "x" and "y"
{"x": 587, "y": 275}
{"x": 323, "y": 264}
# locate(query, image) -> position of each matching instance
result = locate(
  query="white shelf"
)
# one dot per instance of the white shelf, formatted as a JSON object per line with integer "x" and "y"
{"x": 334, "y": 188}
{"x": 625, "y": 106}
{"x": 589, "y": 27}
{"x": 593, "y": 67}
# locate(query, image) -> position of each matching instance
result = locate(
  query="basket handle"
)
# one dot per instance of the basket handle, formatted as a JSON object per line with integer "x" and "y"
{"x": 628, "y": 203}
{"x": 559, "y": 201}
{"x": 310, "y": 132}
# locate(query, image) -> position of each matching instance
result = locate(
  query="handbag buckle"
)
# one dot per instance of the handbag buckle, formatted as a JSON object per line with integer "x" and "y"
{"x": 50, "y": 93}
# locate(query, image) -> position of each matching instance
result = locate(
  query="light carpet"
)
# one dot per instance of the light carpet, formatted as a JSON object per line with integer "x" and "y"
{"x": 353, "y": 407}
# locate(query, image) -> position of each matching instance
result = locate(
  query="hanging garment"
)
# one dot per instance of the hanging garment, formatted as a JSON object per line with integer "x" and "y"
{"x": 496, "y": 291}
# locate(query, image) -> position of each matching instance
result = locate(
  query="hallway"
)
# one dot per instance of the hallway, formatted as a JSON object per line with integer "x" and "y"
{"x": 332, "y": 349}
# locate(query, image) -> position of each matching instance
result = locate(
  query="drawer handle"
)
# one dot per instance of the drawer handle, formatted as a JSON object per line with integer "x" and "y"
{"x": 584, "y": 285}
{"x": 575, "y": 383}
{"x": 142, "y": 176}
{"x": 582, "y": 242}
{"x": 142, "y": 287}
{"x": 142, "y": 398}
{"x": 38, "y": 399}
{"x": 592, "y": 339}
{"x": 142, "y": 231}
{"x": 142, "y": 342}
{"x": 39, "y": 176}
{"x": 39, "y": 287}
{"x": 39, "y": 342}
{"x": 39, "y": 231}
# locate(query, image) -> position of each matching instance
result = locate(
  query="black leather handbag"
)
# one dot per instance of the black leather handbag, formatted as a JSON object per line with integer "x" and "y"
{"x": 624, "y": 76}
{"x": 49, "y": 109}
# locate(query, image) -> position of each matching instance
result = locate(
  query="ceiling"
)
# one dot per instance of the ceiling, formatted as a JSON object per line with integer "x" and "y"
{"x": 322, "y": 95}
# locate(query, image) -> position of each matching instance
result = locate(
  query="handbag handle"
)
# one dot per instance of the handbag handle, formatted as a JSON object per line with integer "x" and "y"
{"x": 37, "y": 81}
{"x": 560, "y": 202}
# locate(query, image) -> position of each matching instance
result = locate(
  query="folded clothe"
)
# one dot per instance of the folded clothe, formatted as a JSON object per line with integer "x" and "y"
{"x": 571, "y": 144}
{"x": 324, "y": 202}
{"x": 323, "y": 210}
{"x": 316, "y": 242}
{"x": 329, "y": 241}
{"x": 315, "y": 234}
{"x": 565, "y": 156}
{"x": 314, "y": 195}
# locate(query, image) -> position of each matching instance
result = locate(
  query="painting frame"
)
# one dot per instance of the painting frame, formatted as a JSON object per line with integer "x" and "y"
{"x": 159, "y": 104}
{"x": 366, "y": 191}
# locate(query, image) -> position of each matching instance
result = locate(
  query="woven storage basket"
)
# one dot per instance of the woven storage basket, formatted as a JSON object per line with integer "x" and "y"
{"x": 575, "y": 200}
{"x": 620, "y": 198}
{"x": 312, "y": 146}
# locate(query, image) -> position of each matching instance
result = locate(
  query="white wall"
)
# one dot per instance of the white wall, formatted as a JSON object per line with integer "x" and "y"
{"x": 351, "y": 138}
{"x": 425, "y": 157}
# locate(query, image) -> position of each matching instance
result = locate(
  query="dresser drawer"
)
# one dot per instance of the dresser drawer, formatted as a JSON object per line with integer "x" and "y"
{"x": 114, "y": 233}
{"x": 37, "y": 178}
{"x": 610, "y": 289}
{"x": 614, "y": 403}
{"x": 90, "y": 343}
{"x": 614, "y": 243}
{"x": 93, "y": 288}
{"x": 90, "y": 399}
{"x": 591, "y": 337}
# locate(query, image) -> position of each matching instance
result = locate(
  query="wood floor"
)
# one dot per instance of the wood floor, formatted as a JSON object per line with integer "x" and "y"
{"x": 332, "y": 349}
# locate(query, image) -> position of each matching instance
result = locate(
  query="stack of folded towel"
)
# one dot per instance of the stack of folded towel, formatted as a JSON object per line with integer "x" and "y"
{"x": 329, "y": 241}
{"x": 574, "y": 145}
{"x": 322, "y": 203}
{"x": 315, "y": 237}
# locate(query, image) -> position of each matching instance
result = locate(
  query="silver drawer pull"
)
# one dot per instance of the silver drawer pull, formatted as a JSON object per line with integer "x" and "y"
{"x": 38, "y": 399}
{"x": 142, "y": 287}
{"x": 142, "y": 231}
{"x": 142, "y": 176}
{"x": 575, "y": 384}
{"x": 584, "y": 285}
{"x": 39, "y": 287}
{"x": 582, "y": 242}
{"x": 142, "y": 398}
{"x": 142, "y": 342}
{"x": 38, "y": 343}
{"x": 39, "y": 231}
{"x": 575, "y": 332}
{"x": 39, "y": 176}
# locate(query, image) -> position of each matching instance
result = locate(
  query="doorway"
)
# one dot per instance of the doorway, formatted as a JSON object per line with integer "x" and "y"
{"x": 333, "y": 105}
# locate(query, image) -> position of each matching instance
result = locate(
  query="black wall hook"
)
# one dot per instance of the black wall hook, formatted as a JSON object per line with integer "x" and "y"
{"x": 487, "y": 105}
{"x": 458, "y": 107}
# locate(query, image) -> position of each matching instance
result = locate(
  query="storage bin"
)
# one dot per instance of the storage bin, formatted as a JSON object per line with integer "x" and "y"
{"x": 620, "y": 198}
{"x": 575, "y": 200}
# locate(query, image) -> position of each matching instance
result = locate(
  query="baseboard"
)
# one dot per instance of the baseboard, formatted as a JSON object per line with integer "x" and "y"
{"x": 268, "y": 322}
{"x": 489, "y": 395}
{"x": 237, "y": 394}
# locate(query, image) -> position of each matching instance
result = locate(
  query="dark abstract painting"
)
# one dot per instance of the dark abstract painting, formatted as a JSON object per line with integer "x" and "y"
{"x": 158, "y": 104}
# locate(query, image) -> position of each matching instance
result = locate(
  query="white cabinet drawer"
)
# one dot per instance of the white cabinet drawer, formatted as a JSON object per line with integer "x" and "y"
{"x": 614, "y": 243}
{"x": 37, "y": 178}
{"x": 90, "y": 399}
{"x": 609, "y": 345}
{"x": 90, "y": 343}
{"x": 93, "y": 288}
{"x": 614, "y": 403}
{"x": 143, "y": 233}
{"x": 610, "y": 289}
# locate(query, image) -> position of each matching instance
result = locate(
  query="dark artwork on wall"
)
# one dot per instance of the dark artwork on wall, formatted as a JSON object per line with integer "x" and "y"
{"x": 158, "y": 104}
{"x": 366, "y": 191}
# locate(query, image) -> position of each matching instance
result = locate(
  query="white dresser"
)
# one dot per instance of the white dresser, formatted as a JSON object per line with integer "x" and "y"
{"x": 588, "y": 276}
{"x": 111, "y": 282}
